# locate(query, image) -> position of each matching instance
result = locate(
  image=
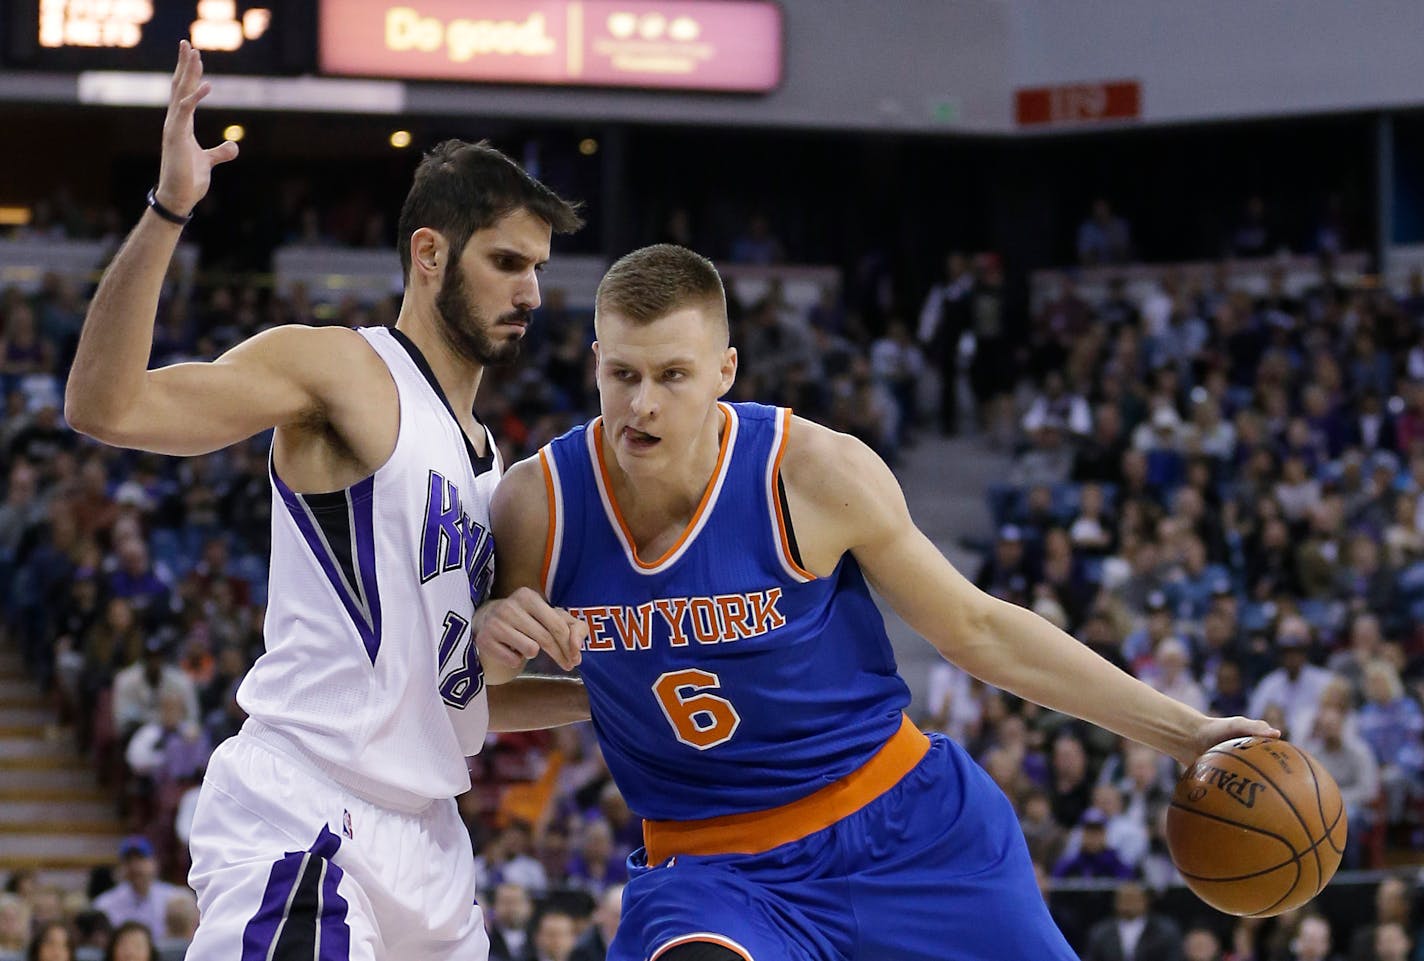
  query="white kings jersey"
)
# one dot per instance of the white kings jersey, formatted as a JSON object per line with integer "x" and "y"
{"x": 371, "y": 672}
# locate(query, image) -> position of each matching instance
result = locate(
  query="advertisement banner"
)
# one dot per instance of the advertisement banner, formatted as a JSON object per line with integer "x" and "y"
{"x": 728, "y": 45}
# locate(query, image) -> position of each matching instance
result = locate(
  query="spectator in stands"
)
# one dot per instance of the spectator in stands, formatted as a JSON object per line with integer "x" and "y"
{"x": 1252, "y": 236}
{"x": 1172, "y": 674}
{"x": 137, "y": 688}
{"x": 508, "y": 924}
{"x": 757, "y": 244}
{"x": 1045, "y": 836}
{"x": 52, "y": 942}
{"x": 1365, "y": 645}
{"x": 1049, "y": 459}
{"x": 1392, "y": 906}
{"x": 171, "y": 749}
{"x": 180, "y": 923}
{"x": 945, "y": 317}
{"x": 14, "y": 925}
{"x": 593, "y": 945}
{"x": 555, "y": 935}
{"x": 596, "y": 864}
{"x": 1350, "y": 762}
{"x": 139, "y": 896}
{"x": 1201, "y": 944}
{"x": 1391, "y": 942}
{"x": 1069, "y": 789}
{"x": 1296, "y": 685}
{"x": 1312, "y": 940}
{"x": 132, "y": 941}
{"x": 1134, "y": 933}
{"x": 1099, "y": 458}
{"x": 1057, "y": 403}
{"x": 1391, "y": 723}
{"x": 1094, "y": 858}
{"x": 898, "y": 364}
{"x": 1104, "y": 238}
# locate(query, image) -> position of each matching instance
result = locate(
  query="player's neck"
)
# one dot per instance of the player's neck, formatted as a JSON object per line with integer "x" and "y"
{"x": 459, "y": 379}
{"x": 651, "y": 499}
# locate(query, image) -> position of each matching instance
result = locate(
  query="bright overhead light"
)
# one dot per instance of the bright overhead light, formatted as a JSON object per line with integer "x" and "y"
{"x": 400, "y": 139}
{"x": 234, "y": 132}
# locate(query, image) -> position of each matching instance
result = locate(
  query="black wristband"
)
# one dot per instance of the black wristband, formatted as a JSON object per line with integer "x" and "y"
{"x": 164, "y": 212}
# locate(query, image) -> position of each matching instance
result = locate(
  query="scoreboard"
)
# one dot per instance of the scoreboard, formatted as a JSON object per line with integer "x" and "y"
{"x": 258, "y": 37}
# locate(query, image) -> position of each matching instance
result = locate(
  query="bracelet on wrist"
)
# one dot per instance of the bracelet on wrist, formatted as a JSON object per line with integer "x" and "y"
{"x": 173, "y": 218}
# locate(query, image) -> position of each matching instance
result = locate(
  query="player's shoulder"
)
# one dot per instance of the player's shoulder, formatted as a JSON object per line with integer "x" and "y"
{"x": 522, "y": 497}
{"x": 337, "y": 353}
{"x": 813, "y": 450}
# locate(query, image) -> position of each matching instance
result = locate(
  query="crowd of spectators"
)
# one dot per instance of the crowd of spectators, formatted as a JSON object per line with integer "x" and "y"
{"x": 1218, "y": 492}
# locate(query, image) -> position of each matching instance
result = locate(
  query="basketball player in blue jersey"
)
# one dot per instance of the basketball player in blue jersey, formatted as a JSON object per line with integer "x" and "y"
{"x": 741, "y": 681}
{"x": 327, "y": 829}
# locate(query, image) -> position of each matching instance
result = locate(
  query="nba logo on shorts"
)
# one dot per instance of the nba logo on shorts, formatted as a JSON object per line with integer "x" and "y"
{"x": 346, "y": 824}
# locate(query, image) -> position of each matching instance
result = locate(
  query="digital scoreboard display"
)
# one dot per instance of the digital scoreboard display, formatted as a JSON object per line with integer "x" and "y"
{"x": 261, "y": 37}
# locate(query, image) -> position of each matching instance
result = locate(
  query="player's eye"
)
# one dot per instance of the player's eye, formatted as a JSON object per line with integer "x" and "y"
{"x": 674, "y": 374}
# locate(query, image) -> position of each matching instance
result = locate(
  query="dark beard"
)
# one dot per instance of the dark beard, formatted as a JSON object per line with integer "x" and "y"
{"x": 465, "y": 329}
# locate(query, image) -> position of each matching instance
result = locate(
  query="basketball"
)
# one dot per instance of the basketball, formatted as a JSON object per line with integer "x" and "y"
{"x": 1256, "y": 827}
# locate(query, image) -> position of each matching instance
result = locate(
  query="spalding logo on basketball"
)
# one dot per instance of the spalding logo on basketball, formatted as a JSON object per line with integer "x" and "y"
{"x": 1256, "y": 827}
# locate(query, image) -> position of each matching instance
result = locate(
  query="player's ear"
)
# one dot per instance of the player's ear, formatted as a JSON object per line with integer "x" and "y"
{"x": 729, "y": 371}
{"x": 428, "y": 252}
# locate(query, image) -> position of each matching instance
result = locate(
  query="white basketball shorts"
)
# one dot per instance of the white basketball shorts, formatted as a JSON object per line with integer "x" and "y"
{"x": 290, "y": 865}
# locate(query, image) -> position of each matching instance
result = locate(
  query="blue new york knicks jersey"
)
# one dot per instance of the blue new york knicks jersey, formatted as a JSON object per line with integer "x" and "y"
{"x": 723, "y": 677}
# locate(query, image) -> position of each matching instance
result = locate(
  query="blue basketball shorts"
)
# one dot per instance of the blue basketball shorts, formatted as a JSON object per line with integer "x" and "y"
{"x": 935, "y": 868}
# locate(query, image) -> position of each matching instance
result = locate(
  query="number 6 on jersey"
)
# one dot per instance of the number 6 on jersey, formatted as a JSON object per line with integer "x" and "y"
{"x": 699, "y": 719}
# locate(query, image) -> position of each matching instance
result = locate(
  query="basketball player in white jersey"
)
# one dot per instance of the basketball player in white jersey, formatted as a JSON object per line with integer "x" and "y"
{"x": 328, "y": 829}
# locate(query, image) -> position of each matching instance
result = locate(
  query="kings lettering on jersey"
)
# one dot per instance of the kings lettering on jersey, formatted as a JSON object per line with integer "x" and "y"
{"x": 452, "y": 540}
{"x": 679, "y": 621}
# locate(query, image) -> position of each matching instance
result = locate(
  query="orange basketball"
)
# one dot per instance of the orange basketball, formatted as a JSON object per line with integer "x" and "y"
{"x": 1256, "y": 827}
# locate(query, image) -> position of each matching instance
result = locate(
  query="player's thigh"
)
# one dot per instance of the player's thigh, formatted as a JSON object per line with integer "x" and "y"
{"x": 274, "y": 904}
{"x": 266, "y": 867}
{"x": 947, "y": 874}
{"x": 667, "y": 909}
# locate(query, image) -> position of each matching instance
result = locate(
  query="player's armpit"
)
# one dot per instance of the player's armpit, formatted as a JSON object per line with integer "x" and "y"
{"x": 281, "y": 376}
{"x": 534, "y": 703}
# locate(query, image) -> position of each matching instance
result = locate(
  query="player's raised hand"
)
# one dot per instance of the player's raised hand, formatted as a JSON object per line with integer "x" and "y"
{"x": 186, "y": 168}
{"x": 511, "y": 630}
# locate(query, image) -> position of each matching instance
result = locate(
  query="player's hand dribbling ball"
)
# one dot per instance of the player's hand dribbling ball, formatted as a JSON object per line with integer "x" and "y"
{"x": 1256, "y": 826}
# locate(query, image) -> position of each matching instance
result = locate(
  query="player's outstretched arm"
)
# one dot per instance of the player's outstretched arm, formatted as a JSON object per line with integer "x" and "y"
{"x": 189, "y": 408}
{"x": 853, "y": 502}
{"x": 535, "y": 703}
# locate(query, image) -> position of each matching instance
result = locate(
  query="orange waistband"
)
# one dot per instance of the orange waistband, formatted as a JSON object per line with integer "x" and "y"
{"x": 758, "y": 831}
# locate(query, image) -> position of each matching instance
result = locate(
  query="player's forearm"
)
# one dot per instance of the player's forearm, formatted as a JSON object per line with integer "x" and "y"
{"x": 111, "y": 361}
{"x": 1021, "y": 652}
{"x": 535, "y": 703}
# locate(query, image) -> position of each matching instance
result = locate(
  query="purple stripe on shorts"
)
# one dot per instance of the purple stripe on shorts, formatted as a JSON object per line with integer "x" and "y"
{"x": 257, "y": 937}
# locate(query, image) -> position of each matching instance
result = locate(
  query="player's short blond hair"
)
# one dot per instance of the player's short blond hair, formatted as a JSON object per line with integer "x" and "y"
{"x": 655, "y": 281}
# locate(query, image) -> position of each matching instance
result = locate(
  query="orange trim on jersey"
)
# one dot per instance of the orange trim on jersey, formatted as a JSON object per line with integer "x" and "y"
{"x": 703, "y": 938}
{"x": 727, "y": 430}
{"x": 549, "y": 538}
{"x": 759, "y": 831}
{"x": 786, "y": 553}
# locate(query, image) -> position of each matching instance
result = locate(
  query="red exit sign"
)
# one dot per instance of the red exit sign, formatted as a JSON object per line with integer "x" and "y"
{"x": 1078, "y": 103}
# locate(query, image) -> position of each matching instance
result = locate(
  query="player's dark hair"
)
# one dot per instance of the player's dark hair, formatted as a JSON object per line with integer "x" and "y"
{"x": 652, "y": 282}
{"x": 462, "y": 187}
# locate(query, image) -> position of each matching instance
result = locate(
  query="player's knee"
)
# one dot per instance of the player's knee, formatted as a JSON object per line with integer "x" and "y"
{"x": 700, "y": 951}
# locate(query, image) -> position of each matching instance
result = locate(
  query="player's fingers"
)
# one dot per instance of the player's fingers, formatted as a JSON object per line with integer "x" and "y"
{"x": 506, "y": 644}
{"x": 554, "y": 625}
{"x": 518, "y": 626}
{"x": 222, "y": 153}
{"x": 578, "y": 633}
{"x": 190, "y": 103}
